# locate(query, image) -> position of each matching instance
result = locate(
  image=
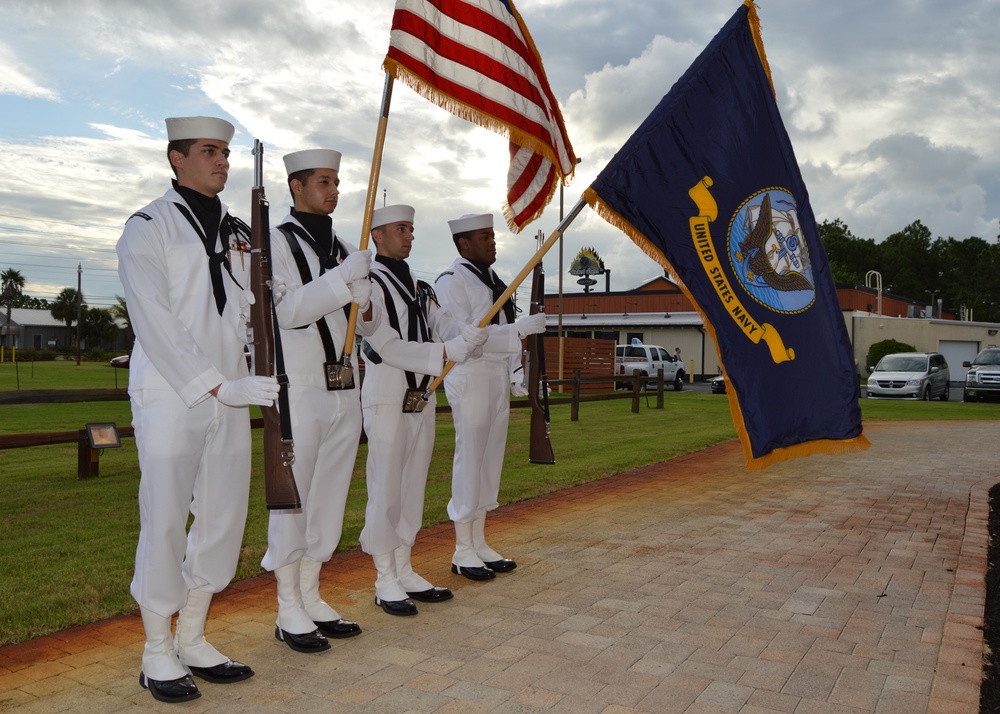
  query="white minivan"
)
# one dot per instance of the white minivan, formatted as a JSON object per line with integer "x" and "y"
{"x": 910, "y": 375}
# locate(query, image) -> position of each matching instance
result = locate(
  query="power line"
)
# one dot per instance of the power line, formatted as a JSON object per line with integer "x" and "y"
{"x": 52, "y": 220}
{"x": 57, "y": 246}
{"x": 59, "y": 267}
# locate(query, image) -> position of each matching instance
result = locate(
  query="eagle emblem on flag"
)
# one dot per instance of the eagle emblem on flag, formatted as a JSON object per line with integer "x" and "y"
{"x": 769, "y": 255}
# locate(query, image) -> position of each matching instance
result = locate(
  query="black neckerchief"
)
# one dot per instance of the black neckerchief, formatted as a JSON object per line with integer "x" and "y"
{"x": 417, "y": 328}
{"x": 320, "y": 229}
{"x": 317, "y": 232}
{"x": 207, "y": 222}
{"x": 208, "y": 210}
{"x": 491, "y": 280}
{"x": 399, "y": 269}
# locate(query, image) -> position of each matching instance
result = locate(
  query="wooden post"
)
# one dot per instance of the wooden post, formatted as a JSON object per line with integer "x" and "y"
{"x": 574, "y": 407}
{"x": 88, "y": 458}
{"x": 659, "y": 388}
{"x": 636, "y": 389}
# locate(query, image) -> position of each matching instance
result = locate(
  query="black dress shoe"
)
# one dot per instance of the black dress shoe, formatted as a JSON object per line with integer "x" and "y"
{"x": 224, "y": 673}
{"x": 397, "y": 607}
{"x": 309, "y": 642}
{"x": 474, "y": 573}
{"x": 501, "y": 566}
{"x": 432, "y": 595}
{"x": 339, "y": 629}
{"x": 170, "y": 690}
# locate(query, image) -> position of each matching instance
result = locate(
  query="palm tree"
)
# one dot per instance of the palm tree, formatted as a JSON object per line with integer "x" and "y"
{"x": 13, "y": 284}
{"x": 64, "y": 308}
{"x": 120, "y": 312}
{"x": 99, "y": 325}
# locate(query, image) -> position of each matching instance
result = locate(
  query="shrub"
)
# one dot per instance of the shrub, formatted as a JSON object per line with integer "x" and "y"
{"x": 99, "y": 355}
{"x": 33, "y": 355}
{"x": 886, "y": 347}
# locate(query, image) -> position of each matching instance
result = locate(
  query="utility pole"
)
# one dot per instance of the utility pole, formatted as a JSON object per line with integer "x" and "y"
{"x": 79, "y": 308}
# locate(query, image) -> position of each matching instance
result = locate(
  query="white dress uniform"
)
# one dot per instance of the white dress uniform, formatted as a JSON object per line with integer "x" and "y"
{"x": 326, "y": 425}
{"x": 479, "y": 394}
{"x": 194, "y": 451}
{"x": 400, "y": 445}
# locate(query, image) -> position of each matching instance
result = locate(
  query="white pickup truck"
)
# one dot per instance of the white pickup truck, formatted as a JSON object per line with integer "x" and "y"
{"x": 648, "y": 359}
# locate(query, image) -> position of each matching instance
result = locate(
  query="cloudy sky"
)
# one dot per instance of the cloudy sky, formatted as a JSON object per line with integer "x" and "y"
{"x": 892, "y": 107}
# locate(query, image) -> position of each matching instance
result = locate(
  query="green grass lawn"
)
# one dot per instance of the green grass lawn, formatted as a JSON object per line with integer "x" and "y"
{"x": 61, "y": 374}
{"x": 70, "y": 544}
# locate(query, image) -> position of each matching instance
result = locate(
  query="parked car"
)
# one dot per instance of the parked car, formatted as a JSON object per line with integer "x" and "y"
{"x": 718, "y": 384}
{"x": 648, "y": 359}
{"x": 910, "y": 375}
{"x": 983, "y": 378}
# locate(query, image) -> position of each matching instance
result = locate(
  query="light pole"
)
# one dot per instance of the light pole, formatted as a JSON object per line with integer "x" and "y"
{"x": 933, "y": 294}
{"x": 878, "y": 286}
{"x": 562, "y": 337}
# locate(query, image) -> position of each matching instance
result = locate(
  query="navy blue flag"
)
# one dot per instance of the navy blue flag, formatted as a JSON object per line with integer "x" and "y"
{"x": 709, "y": 187}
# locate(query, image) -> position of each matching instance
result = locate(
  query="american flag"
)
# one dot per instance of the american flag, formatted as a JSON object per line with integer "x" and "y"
{"x": 476, "y": 59}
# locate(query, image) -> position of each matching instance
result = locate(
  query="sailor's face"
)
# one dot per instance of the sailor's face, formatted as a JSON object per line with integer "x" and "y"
{"x": 479, "y": 246}
{"x": 394, "y": 240}
{"x": 319, "y": 194}
{"x": 205, "y": 168}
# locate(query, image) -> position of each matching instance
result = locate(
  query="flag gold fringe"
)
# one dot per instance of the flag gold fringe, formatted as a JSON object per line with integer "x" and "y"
{"x": 469, "y": 113}
{"x": 508, "y": 212}
{"x": 757, "y": 41}
{"x": 477, "y": 116}
{"x": 809, "y": 448}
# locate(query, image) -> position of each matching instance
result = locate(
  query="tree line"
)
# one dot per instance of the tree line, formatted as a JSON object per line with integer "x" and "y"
{"x": 961, "y": 273}
{"x": 98, "y": 326}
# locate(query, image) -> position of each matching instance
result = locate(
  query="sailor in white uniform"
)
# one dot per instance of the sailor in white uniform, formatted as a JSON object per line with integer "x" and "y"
{"x": 479, "y": 392}
{"x": 184, "y": 264}
{"x": 400, "y": 358}
{"x": 319, "y": 276}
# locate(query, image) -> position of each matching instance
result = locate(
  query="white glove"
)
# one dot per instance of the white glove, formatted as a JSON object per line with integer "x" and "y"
{"x": 278, "y": 290}
{"x": 531, "y": 325}
{"x": 246, "y": 298}
{"x": 361, "y": 293}
{"x": 248, "y": 390}
{"x": 458, "y": 350}
{"x": 355, "y": 266}
{"x": 474, "y": 335}
{"x": 517, "y": 389}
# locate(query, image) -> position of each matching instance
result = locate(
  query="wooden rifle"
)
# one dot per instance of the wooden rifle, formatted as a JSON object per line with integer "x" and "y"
{"x": 540, "y": 448}
{"x": 280, "y": 491}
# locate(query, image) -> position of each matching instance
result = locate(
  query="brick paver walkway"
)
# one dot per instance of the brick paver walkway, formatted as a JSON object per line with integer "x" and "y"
{"x": 828, "y": 584}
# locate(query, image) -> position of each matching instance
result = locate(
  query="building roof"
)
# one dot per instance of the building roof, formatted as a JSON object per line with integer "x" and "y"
{"x": 621, "y": 321}
{"x": 29, "y": 317}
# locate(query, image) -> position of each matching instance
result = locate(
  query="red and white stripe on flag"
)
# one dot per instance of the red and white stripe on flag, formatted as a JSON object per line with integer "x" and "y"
{"x": 476, "y": 59}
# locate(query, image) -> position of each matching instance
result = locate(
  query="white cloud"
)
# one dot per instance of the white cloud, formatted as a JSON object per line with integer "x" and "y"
{"x": 892, "y": 108}
{"x": 18, "y": 80}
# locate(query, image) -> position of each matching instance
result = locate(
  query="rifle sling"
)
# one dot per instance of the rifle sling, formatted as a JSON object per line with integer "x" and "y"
{"x": 284, "y": 408}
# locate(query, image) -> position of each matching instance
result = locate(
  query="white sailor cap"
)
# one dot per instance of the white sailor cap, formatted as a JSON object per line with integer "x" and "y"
{"x": 311, "y": 159}
{"x": 179, "y": 128}
{"x": 392, "y": 214}
{"x": 471, "y": 222}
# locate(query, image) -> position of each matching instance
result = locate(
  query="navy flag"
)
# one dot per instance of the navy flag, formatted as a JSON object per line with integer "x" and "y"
{"x": 709, "y": 187}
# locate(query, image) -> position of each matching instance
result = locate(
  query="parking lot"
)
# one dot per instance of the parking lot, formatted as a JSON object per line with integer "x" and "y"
{"x": 954, "y": 395}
